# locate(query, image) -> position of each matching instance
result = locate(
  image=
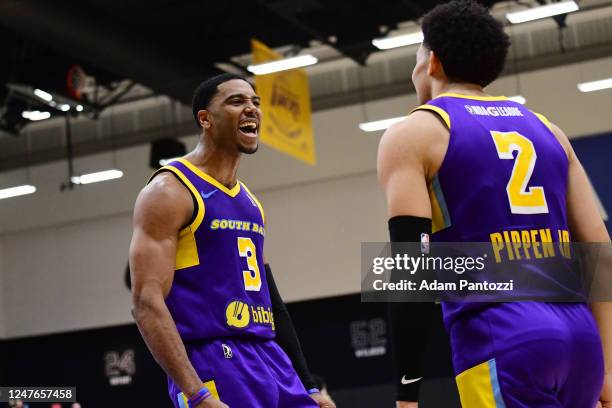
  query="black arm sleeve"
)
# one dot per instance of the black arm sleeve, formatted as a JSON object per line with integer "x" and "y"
{"x": 285, "y": 333}
{"x": 411, "y": 323}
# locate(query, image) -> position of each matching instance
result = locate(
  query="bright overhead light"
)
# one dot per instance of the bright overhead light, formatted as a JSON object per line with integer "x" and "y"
{"x": 163, "y": 162}
{"x": 79, "y": 108}
{"x": 46, "y": 96}
{"x": 595, "y": 85}
{"x": 96, "y": 177}
{"x": 518, "y": 98}
{"x": 64, "y": 107}
{"x": 282, "y": 65}
{"x": 398, "y": 41}
{"x": 380, "y": 124}
{"x": 536, "y": 13}
{"x": 35, "y": 115}
{"x": 17, "y": 191}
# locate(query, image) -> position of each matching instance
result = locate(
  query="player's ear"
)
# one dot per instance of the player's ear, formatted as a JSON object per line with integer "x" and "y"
{"x": 433, "y": 64}
{"x": 204, "y": 118}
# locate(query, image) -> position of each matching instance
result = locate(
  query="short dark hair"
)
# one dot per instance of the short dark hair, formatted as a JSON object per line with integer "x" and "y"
{"x": 207, "y": 90}
{"x": 469, "y": 42}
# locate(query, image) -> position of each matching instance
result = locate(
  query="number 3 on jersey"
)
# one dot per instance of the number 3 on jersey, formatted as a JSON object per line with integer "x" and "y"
{"x": 522, "y": 200}
{"x": 252, "y": 277}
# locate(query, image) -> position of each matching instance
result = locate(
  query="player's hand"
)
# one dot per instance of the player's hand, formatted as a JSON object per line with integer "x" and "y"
{"x": 605, "y": 400}
{"x": 406, "y": 404}
{"x": 322, "y": 400}
{"x": 211, "y": 402}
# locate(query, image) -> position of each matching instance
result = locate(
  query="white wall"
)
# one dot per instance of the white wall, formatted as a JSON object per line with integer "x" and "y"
{"x": 63, "y": 253}
{"x": 67, "y": 277}
{"x": 315, "y": 231}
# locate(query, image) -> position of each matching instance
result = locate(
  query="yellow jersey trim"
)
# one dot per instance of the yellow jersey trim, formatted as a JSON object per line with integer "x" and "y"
{"x": 479, "y": 387}
{"x": 187, "y": 248}
{"x": 441, "y": 112}
{"x": 263, "y": 216}
{"x": 439, "y": 211}
{"x": 201, "y": 209}
{"x": 233, "y": 192}
{"x": 475, "y": 97}
{"x": 544, "y": 120}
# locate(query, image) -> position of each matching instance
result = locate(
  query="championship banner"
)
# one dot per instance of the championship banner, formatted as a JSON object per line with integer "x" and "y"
{"x": 285, "y": 103}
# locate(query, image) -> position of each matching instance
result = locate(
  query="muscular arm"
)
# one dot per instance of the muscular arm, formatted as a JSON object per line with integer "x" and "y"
{"x": 409, "y": 154}
{"x": 586, "y": 225}
{"x": 162, "y": 208}
{"x": 402, "y": 167}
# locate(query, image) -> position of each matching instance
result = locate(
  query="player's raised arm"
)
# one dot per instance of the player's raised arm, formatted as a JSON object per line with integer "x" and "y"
{"x": 404, "y": 167}
{"x": 162, "y": 209}
{"x": 586, "y": 225}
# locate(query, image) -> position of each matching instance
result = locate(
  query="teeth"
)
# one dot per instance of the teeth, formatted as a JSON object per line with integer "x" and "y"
{"x": 250, "y": 125}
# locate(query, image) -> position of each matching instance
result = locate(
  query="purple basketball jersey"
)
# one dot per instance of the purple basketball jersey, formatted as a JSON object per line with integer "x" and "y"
{"x": 219, "y": 288}
{"x": 503, "y": 179}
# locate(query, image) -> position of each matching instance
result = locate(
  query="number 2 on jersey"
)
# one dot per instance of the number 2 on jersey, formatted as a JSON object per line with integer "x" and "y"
{"x": 252, "y": 277}
{"x": 522, "y": 200}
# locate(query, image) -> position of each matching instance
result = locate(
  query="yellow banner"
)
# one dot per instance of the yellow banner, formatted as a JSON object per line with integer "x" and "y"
{"x": 285, "y": 103}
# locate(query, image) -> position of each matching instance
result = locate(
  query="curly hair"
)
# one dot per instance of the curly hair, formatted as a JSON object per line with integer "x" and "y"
{"x": 469, "y": 42}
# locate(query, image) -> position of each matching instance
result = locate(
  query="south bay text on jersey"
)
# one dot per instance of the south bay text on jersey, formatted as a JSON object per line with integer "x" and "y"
{"x": 238, "y": 225}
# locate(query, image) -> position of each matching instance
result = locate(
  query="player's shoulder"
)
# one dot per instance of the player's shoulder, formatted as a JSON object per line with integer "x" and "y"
{"x": 417, "y": 130}
{"x": 163, "y": 185}
{"x": 557, "y": 132}
{"x": 163, "y": 195}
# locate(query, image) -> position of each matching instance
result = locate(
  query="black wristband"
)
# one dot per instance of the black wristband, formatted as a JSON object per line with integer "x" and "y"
{"x": 410, "y": 323}
{"x": 286, "y": 337}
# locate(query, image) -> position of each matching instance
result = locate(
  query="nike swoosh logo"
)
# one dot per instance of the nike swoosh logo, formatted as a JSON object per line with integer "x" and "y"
{"x": 406, "y": 382}
{"x": 208, "y": 195}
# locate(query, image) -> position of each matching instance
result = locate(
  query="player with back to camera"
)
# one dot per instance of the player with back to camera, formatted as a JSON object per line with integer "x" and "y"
{"x": 204, "y": 301}
{"x": 464, "y": 166}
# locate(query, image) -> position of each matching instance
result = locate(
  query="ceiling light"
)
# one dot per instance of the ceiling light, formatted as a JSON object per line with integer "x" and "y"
{"x": 595, "y": 85}
{"x": 45, "y": 96}
{"x": 282, "y": 65}
{"x": 380, "y": 124}
{"x": 17, "y": 191}
{"x": 536, "y": 13}
{"x": 163, "y": 162}
{"x": 35, "y": 115}
{"x": 65, "y": 107}
{"x": 518, "y": 98}
{"x": 96, "y": 177}
{"x": 398, "y": 41}
{"x": 79, "y": 108}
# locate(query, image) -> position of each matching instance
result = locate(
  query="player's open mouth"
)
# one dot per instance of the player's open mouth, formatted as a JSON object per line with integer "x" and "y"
{"x": 249, "y": 128}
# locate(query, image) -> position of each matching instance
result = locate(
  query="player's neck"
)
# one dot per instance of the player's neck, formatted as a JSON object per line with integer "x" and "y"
{"x": 217, "y": 163}
{"x": 460, "y": 88}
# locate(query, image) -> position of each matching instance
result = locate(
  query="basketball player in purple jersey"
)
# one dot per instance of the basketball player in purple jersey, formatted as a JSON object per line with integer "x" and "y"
{"x": 467, "y": 166}
{"x": 204, "y": 301}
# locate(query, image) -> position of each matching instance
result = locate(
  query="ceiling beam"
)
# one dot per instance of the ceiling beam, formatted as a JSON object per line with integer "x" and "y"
{"x": 72, "y": 30}
{"x": 351, "y": 97}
